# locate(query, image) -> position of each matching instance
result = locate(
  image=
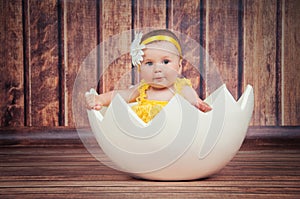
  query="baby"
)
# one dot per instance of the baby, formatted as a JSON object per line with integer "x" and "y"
{"x": 158, "y": 57}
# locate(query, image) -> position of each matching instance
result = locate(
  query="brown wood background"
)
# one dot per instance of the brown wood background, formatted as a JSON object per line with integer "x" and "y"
{"x": 43, "y": 43}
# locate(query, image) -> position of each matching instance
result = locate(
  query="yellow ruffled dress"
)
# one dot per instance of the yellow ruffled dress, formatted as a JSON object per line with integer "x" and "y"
{"x": 147, "y": 109}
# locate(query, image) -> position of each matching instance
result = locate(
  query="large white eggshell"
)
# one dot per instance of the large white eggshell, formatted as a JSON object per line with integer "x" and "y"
{"x": 181, "y": 142}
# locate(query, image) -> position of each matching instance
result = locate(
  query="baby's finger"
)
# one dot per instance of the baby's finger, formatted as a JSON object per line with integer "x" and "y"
{"x": 206, "y": 107}
{"x": 97, "y": 107}
{"x": 203, "y": 106}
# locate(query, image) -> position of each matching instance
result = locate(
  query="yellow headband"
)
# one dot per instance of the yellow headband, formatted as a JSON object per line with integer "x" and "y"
{"x": 163, "y": 38}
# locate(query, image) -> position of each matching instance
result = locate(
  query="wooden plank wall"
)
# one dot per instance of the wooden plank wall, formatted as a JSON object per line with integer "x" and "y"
{"x": 44, "y": 42}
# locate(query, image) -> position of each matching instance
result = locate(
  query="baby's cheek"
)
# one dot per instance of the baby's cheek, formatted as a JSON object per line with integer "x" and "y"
{"x": 145, "y": 74}
{"x": 172, "y": 75}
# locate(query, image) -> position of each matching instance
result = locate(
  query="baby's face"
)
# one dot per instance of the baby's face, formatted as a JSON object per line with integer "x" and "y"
{"x": 161, "y": 64}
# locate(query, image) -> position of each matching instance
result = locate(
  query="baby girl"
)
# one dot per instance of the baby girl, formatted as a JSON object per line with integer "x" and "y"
{"x": 158, "y": 57}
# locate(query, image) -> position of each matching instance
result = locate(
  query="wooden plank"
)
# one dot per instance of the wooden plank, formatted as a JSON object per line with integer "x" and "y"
{"x": 11, "y": 64}
{"x": 150, "y": 14}
{"x": 115, "y": 38}
{"x": 43, "y": 63}
{"x": 131, "y": 186}
{"x": 80, "y": 41}
{"x": 221, "y": 43}
{"x": 184, "y": 17}
{"x": 269, "y": 168}
{"x": 260, "y": 58}
{"x": 84, "y": 192}
{"x": 291, "y": 63}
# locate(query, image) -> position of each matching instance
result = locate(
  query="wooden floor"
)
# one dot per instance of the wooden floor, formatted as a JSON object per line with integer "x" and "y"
{"x": 43, "y": 163}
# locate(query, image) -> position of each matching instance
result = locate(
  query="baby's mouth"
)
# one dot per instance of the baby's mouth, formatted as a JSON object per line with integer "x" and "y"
{"x": 158, "y": 78}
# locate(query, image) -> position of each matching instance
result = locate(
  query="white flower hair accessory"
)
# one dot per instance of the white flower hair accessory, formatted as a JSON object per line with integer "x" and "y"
{"x": 136, "y": 50}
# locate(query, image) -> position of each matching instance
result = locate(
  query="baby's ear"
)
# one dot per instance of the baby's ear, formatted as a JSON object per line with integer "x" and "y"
{"x": 180, "y": 67}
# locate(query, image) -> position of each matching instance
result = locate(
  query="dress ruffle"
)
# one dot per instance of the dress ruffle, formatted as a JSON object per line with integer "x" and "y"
{"x": 148, "y": 109}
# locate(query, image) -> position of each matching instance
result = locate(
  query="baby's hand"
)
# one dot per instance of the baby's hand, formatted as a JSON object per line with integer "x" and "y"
{"x": 203, "y": 106}
{"x": 91, "y": 101}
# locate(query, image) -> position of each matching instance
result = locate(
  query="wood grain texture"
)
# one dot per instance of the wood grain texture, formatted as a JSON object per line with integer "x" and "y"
{"x": 11, "y": 64}
{"x": 184, "y": 17}
{"x": 45, "y": 43}
{"x": 44, "y": 85}
{"x": 80, "y": 58}
{"x": 63, "y": 170}
{"x": 221, "y": 43}
{"x": 150, "y": 14}
{"x": 291, "y": 63}
{"x": 115, "y": 38}
{"x": 260, "y": 58}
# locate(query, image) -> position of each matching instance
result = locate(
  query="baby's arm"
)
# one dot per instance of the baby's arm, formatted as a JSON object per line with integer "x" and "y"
{"x": 98, "y": 101}
{"x": 191, "y": 95}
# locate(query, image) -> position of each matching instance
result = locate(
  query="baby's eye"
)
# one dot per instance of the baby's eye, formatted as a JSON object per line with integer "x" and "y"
{"x": 149, "y": 63}
{"x": 166, "y": 61}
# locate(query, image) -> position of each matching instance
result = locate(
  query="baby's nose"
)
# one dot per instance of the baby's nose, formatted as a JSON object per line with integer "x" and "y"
{"x": 157, "y": 68}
